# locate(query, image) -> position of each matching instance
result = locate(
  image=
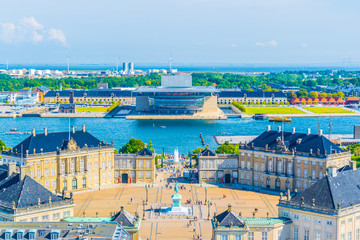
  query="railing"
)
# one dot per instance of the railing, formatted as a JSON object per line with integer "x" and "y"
{"x": 320, "y": 209}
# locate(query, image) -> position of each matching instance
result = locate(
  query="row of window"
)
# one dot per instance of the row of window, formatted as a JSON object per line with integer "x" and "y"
{"x": 132, "y": 174}
{"x": 126, "y": 163}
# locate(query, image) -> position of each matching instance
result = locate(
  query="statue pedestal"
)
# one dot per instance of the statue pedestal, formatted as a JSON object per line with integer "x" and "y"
{"x": 176, "y": 208}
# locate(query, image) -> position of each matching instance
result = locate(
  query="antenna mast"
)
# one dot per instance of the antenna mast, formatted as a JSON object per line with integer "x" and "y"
{"x": 170, "y": 61}
{"x": 117, "y": 65}
{"x": 7, "y": 65}
{"x": 68, "y": 64}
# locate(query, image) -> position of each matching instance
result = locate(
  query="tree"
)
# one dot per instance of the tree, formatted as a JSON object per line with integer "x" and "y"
{"x": 340, "y": 94}
{"x": 314, "y": 94}
{"x": 291, "y": 94}
{"x": 133, "y": 146}
{"x": 228, "y": 148}
{"x": 2, "y": 146}
{"x": 303, "y": 92}
{"x": 323, "y": 94}
{"x": 150, "y": 146}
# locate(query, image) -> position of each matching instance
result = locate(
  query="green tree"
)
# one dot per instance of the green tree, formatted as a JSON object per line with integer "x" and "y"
{"x": 150, "y": 146}
{"x": 323, "y": 94}
{"x": 133, "y": 146}
{"x": 303, "y": 92}
{"x": 2, "y": 146}
{"x": 228, "y": 148}
{"x": 340, "y": 94}
{"x": 291, "y": 94}
{"x": 314, "y": 94}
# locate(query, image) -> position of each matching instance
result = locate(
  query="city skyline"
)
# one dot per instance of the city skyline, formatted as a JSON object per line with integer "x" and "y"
{"x": 211, "y": 32}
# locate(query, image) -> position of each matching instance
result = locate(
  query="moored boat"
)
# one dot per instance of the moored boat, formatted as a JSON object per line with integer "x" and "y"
{"x": 279, "y": 119}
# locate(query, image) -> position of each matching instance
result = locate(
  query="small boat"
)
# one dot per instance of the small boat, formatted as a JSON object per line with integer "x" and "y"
{"x": 280, "y": 119}
{"x": 162, "y": 126}
{"x": 223, "y": 133}
{"x": 13, "y": 133}
{"x": 13, "y": 129}
{"x": 260, "y": 116}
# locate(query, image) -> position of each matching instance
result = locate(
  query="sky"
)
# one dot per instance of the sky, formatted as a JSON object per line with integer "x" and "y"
{"x": 191, "y": 31}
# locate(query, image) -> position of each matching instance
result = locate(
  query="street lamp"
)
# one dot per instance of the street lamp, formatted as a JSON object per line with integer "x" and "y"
{"x": 208, "y": 210}
{"x": 147, "y": 194}
{"x": 143, "y": 218}
{"x": 205, "y": 195}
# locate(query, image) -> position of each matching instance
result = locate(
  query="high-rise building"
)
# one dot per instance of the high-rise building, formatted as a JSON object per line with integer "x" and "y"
{"x": 125, "y": 67}
{"x": 131, "y": 67}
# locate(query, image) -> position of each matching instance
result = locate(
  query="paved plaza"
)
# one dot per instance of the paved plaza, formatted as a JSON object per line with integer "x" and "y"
{"x": 106, "y": 201}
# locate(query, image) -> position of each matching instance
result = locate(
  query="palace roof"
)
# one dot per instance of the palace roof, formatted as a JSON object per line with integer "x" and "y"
{"x": 255, "y": 94}
{"x": 145, "y": 152}
{"x": 51, "y": 141}
{"x": 227, "y": 218}
{"x": 24, "y": 193}
{"x": 125, "y": 218}
{"x": 208, "y": 152}
{"x": 301, "y": 142}
{"x": 328, "y": 192}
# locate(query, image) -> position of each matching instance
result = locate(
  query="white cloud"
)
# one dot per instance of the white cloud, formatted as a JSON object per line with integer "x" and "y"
{"x": 271, "y": 43}
{"x": 57, "y": 34}
{"x": 7, "y": 32}
{"x": 304, "y": 45}
{"x": 30, "y": 30}
{"x": 233, "y": 45}
{"x": 31, "y": 22}
{"x": 37, "y": 37}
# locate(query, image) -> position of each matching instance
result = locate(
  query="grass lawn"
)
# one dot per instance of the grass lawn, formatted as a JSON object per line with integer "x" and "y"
{"x": 273, "y": 110}
{"x": 91, "y": 109}
{"x": 327, "y": 110}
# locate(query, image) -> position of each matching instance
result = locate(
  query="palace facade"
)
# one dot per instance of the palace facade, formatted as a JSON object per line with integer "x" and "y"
{"x": 275, "y": 160}
{"x": 70, "y": 161}
{"x": 135, "y": 168}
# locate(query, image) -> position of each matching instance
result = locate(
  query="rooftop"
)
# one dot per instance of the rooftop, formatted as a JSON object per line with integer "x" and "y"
{"x": 195, "y": 89}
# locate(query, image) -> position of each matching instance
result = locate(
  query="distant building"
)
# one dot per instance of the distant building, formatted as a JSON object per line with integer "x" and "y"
{"x": 126, "y": 67}
{"x": 65, "y": 161}
{"x": 318, "y": 100}
{"x": 227, "y": 96}
{"x": 135, "y": 168}
{"x": 67, "y": 108}
{"x": 62, "y": 230}
{"x": 23, "y": 199}
{"x": 103, "y": 85}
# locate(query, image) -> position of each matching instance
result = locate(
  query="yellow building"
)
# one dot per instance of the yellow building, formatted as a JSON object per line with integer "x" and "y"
{"x": 328, "y": 210}
{"x": 135, "y": 168}
{"x": 70, "y": 161}
{"x": 24, "y": 200}
{"x": 275, "y": 160}
{"x": 231, "y": 226}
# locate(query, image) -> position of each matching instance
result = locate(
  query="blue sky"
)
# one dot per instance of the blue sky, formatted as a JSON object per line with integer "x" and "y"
{"x": 192, "y": 31}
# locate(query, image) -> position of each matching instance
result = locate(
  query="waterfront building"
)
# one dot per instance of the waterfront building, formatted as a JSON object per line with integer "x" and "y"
{"x": 131, "y": 223}
{"x": 227, "y": 96}
{"x": 329, "y": 209}
{"x": 70, "y": 161}
{"x": 177, "y": 96}
{"x": 135, "y": 168}
{"x": 67, "y": 108}
{"x": 318, "y": 100}
{"x": 24, "y": 200}
{"x": 105, "y": 96}
{"x": 275, "y": 160}
{"x": 232, "y": 226}
{"x": 62, "y": 230}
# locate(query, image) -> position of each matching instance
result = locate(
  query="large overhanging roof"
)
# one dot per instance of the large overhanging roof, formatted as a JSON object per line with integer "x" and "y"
{"x": 176, "y": 89}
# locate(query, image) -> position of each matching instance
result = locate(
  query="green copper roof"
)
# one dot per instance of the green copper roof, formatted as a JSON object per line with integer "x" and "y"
{"x": 264, "y": 221}
{"x": 87, "y": 219}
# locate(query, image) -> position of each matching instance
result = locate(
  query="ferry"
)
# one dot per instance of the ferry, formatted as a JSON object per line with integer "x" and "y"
{"x": 260, "y": 116}
{"x": 15, "y": 132}
{"x": 13, "y": 129}
{"x": 162, "y": 126}
{"x": 279, "y": 119}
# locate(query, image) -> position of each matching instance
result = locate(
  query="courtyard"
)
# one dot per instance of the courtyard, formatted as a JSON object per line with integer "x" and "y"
{"x": 107, "y": 201}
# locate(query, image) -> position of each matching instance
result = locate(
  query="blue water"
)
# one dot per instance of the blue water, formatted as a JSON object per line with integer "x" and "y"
{"x": 182, "y": 134}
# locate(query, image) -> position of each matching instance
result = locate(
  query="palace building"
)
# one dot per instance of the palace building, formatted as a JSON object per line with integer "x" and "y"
{"x": 135, "y": 168}
{"x": 227, "y": 96}
{"x": 24, "y": 200}
{"x": 275, "y": 160}
{"x": 70, "y": 161}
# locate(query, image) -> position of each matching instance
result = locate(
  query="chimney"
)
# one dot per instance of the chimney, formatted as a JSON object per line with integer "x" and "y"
{"x": 73, "y": 129}
{"x": 279, "y": 129}
{"x": 268, "y": 128}
{"x": 293, "y": 130}
{"x": 320, "y": 132}
{"x": 229, "y": 208}
{"x": 308, "y": 131}
{"x": 11, "y": 168}
{"x": 122, "y": 209}
{"x": 83, "y": 128}
{"x": 33, "y": 132}
{"x": 353, "y": 165}
{"x": 45, "y": 131}
{"x": 332, "y": 171}
{"x": 24, "y": 170}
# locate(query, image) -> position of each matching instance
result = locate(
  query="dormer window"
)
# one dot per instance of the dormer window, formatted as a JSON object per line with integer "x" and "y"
{"x": 8, "y": 236}
{"x": 31, "y": 236}
{"x": 298, "y": 141}
{"x": 20, "y": 236}
{"x": 54, "y": 236}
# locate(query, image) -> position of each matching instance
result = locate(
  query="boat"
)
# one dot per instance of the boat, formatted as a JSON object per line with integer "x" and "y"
{"x": 162, "y": 126}
{"x": 260, "y": 116}
{"x": 279, "y": 119}
{"x": 13, "y": 129}
{"x": 223, "y": 133}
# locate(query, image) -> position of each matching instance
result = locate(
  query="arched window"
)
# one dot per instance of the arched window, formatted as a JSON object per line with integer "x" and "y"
{"x": 74, "y": 183}
{"x": 277, "y": 183}
{"x": 65, "y": 185}
{"x": 84, "y": 182}
{"x": 287, "y": 184}
{"x": 268, "y": 182}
